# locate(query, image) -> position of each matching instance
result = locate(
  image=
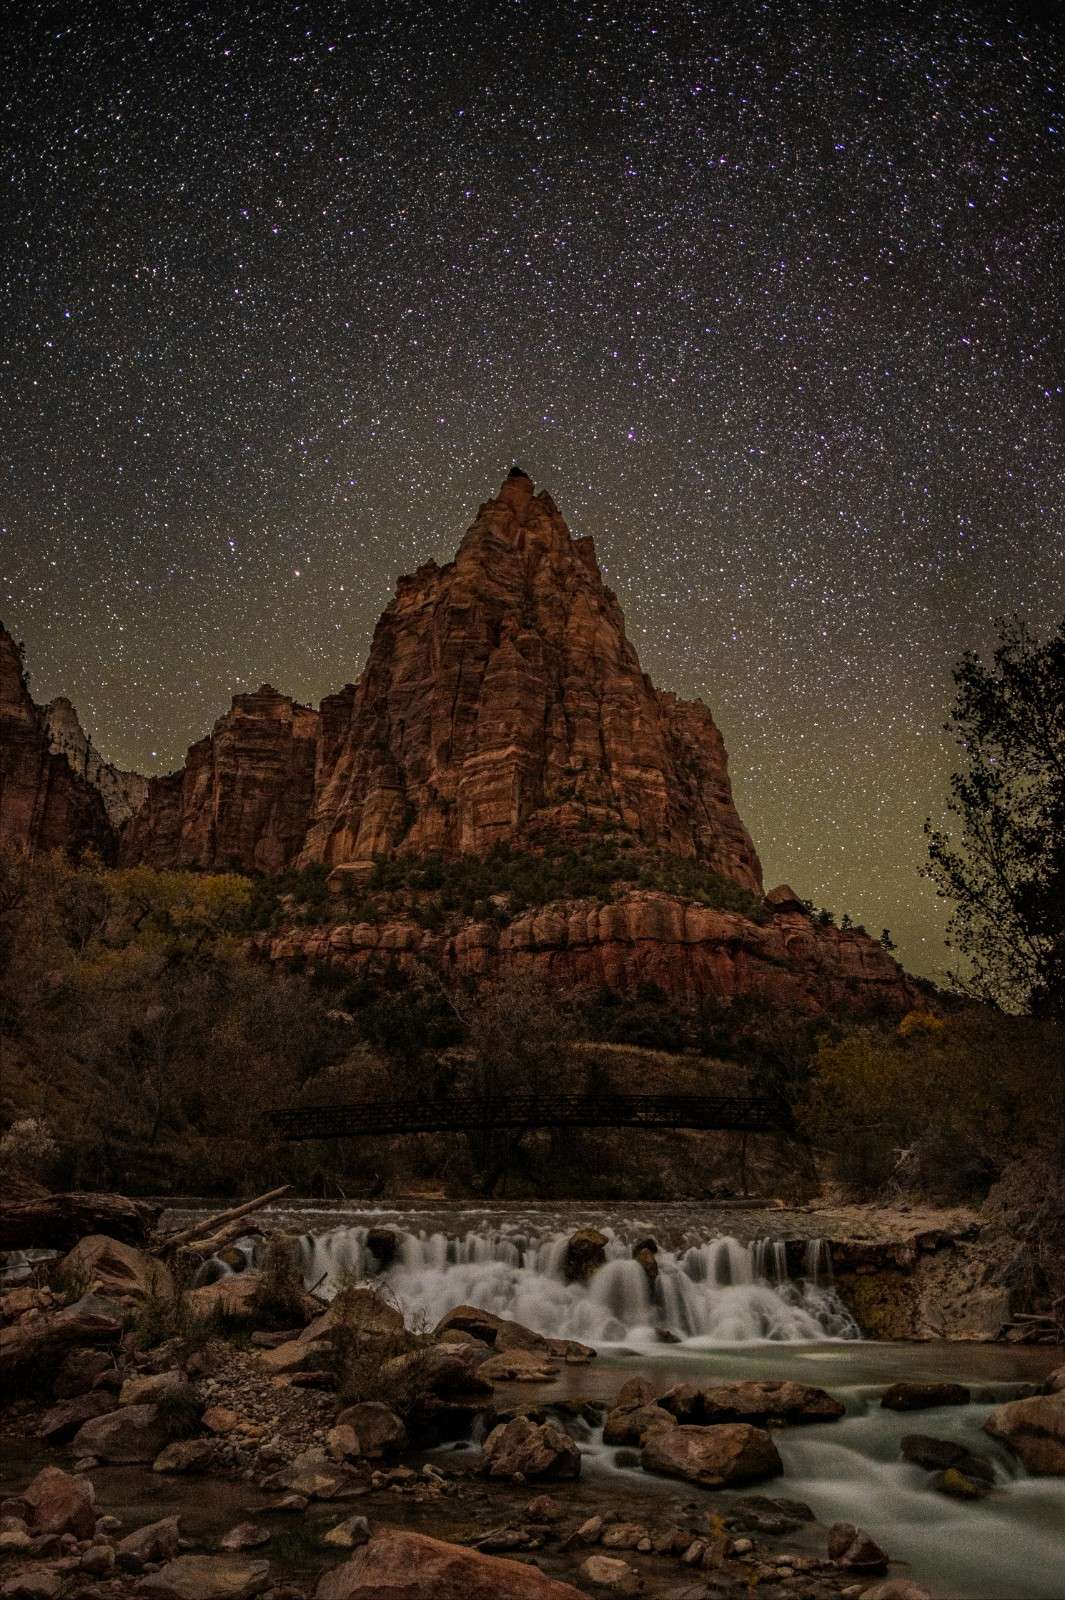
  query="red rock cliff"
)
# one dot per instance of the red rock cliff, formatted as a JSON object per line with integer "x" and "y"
{"x": 502, "y": 698}
{"x": 44, "y": 803}
{"x": 243, "y": 799}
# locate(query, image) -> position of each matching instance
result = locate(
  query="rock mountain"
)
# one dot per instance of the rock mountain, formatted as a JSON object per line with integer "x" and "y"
{"x": 502, "y": 703}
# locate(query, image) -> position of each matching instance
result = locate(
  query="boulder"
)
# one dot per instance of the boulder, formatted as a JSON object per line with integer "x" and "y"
{"x": 79, "y": 1370}
{"x": 937, "y": 1455}
{"x": 150, "y": 1387}
{"x": 185, "y": 1455}
{"x": 896, "y": 1589}
{"x": 121, "y": 1271}
{"x": 752, "y": 1400}
{"x": 156, "y": 1541}
{"x": 92, "y": 1320}
{"x": 530, "y": 1450}
{"x": 296, "y": 1356}
{"x": 226, "y": 1577}
{"x": 853, "y": 1549}
{"x": 635, "y": 1392}
{"x": 518, "y": 1366}
{"x": 132, "y": 1433}
{"x": 61, "y": 1502}
{"x": 438, "y": 1387}
{"x": 62, "y": 1421}
{"x": 628, "y": 1425}
{"x": 1056, "y": 1381}
{"x": 608, "y": 1572}
{"x": 1034, "y": 1430}
{"x": 234, "y": 1297}
{"x": 361, "y": 1313}
{"x": 383, "y": 1244}
{"x": 349, "y": 1534}
{"x": 411, "y": 1566}
{"x": 33, "y": 1583}
{"x": 377, "y": 1429}
{"x": 585, "y": 1254}
{"x": 731, "y": 1452}
{"x": 244, "y": 1536}
{"x": 504, "y": 1334}
{"x": 909, "y": 1396}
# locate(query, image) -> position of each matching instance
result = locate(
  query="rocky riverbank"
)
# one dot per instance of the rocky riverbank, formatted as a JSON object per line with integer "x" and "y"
{"x": 297, "y": 1450}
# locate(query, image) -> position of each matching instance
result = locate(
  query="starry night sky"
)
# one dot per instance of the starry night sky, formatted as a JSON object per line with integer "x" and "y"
{"x": 770, "y": 297}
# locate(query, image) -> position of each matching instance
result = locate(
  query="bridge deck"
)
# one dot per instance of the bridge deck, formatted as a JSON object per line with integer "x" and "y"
{"x": 462, "y": 1113}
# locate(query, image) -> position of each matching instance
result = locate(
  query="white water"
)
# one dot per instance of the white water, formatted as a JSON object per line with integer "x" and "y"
{"x": 715, "y": 1292}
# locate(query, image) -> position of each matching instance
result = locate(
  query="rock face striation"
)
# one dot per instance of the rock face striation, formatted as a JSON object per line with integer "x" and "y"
{"x": 243, "y": 799}
{"x": 501, "y": 705}
{"x": 503, "y": 699}
{"x": 122, "y": 793}
{"x": 45, "y": 802}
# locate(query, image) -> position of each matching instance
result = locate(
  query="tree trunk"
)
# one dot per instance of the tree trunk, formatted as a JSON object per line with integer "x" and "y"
{"x": 58, "y": 1221}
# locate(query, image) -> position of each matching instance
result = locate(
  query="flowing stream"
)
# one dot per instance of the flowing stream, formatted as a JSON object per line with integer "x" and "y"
{"x": 721, "y": 1305}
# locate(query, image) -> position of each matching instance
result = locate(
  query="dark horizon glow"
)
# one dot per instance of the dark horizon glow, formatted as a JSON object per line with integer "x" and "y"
{"x": 770, "y": 298}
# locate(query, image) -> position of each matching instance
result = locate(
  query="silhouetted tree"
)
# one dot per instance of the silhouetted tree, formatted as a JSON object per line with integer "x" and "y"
{"x": 1004, "y": 870}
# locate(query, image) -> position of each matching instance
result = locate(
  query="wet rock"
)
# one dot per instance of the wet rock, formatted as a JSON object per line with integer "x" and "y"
{"x": 1056, "y": 1381}
{"x": 545, "y": 1508}
{"x": 526, "y": 1449}
{"x": 749, "y": 1400}
{"x": 609, "y": 1572}
{"x": 207, "y": 1578}
{"x": 156, "y": 1541}
{"x": 61, "y": 1502}
{"x": 439, "y": 1386}
{"x": 185, "y": 1455}
{"x": 379, "y": 1432}
{"x": 383, "y": 1243}
{"x": 33, "y": 1583}
{"x": 585, "y": 1254}
{"x": 132, "y": 1433}
{"x": 412, "y": 1566}
{"x": 245, "y": 1536}
{"x": 938, "y": 1455}
{"x": 78, "y": 1372}
{"x": 683, "y": 1401}
{"x": 854, "y": 1550}
{"x": 635, "y": 1392}
{"x": 758, "y": 1513}
{"x": 623, "y": 1536}
{"x": 349, "y": 1534}
{"x": 711, "y": 1456}
{"x": 62, "y": 1422}
{"x": 518, "y": 1366}
{"x": 151, "y": 1387}
{"x": 1034, "y": 1430}
{"x": 959, "y": 1485}
{"x": 647, "y": 1259}
{"x": 504, "y": 1334}
{"x": 118, "y": 1270}
{"x": 630, "y": 1425}
{"x": 909, "y": 1396}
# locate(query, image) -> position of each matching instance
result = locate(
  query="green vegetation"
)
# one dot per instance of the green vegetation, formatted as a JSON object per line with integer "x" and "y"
{"x": 936, "y": 1105}
{"x": 496, "y": 887}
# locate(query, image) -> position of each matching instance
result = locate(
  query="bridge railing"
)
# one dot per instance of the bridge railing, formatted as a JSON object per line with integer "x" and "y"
{"x": 462, "y": 1112}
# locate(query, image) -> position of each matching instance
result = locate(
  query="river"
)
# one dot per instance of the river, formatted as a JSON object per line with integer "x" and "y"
{"x": 725, "y": 1302}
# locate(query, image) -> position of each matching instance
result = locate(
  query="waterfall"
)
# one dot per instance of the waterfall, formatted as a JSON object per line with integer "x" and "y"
{"x": 718, "y": 1291}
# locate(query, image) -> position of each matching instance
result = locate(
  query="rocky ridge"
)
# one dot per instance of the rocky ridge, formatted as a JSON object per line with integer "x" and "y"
{"x": 45, "y": 803}
{"x": 502, "y": 705}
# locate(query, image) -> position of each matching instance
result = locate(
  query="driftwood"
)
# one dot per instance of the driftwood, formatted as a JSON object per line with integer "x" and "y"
{"x": 211, "y": 1234}
{"x": 58, "y": 1221}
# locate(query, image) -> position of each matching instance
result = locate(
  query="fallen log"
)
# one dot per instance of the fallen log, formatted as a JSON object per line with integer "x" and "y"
{"x": 58, "y": 1221}
{"x": 209, "y": 1227}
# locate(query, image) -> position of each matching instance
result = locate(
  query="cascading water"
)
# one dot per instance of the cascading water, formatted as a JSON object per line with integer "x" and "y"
{"x": 716, "y": 1292}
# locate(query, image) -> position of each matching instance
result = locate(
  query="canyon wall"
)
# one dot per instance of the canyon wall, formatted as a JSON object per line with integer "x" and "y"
{"x": 44, "y": 803}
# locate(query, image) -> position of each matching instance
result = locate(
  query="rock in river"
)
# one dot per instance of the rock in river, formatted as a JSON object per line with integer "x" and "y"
{"x": 731, "y": 1452}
